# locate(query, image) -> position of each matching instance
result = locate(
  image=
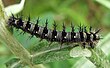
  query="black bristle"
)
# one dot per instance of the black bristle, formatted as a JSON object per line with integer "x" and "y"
{"x": 90, "y": 29}
{"x": 54, "y": 25}
{"x": 85, "y": 30}
{"x": 12, "y": 16}
{"x": 72, "y": 27}
{"x": 37, "y": 21}
{"x": 36, "y": 28}
{"x": 20, "y": 23}
{"x": 97, "y": 31}
{"x": 54, "y": 32}
{"x": 46, "y": 23}
{"x": 29, "y": 18}
{"x": 80, "y": 28}
{"x": 63, "y": 27}
{"x": 63, "y": 34}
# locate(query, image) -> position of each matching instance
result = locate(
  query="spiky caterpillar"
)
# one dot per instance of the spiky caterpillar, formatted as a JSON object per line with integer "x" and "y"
{"x": 82, "y": 36}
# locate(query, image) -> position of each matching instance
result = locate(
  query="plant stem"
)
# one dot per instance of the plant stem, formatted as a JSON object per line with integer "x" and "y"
{"x": 15, "y": 47}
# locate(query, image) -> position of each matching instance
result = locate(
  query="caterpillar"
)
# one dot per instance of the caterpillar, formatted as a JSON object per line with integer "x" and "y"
{"x": 82, "y": 36}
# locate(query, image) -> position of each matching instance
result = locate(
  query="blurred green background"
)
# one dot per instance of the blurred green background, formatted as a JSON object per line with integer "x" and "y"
{"x": 86, "y": 12}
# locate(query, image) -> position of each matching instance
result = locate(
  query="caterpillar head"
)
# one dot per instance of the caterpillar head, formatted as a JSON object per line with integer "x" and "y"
{"x": 96, "y": 36}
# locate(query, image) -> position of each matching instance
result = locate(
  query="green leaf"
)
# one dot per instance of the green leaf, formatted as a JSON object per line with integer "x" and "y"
{"x": 105, "y": 3}
{"x": 104, "y": 44}
{"x": 84, "y": 63}
{"x": 43, "y": 53}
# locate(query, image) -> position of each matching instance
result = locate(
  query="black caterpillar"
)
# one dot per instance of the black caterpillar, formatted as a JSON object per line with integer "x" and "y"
{"x": 82, "y": 36}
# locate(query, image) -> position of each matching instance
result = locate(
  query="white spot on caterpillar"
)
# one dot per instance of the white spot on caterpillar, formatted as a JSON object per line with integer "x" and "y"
{"x": 91, "y": 37}
{"x": 55, "y": 36}
{"x": 16, "y": 21}
{"x": 65, "y": 37}
{"x": 74, "y": 36}
{"x": 45, "y": 34}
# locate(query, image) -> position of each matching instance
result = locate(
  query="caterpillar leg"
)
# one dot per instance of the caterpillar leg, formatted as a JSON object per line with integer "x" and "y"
{"x": 84, "y": 45}
{"x": 19, "y": 33}
{"x": 60, "y": 46}
{"x": 30, "y": 37}
{"x": 50, "y": 44}
{"x": 91, "y": 45}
